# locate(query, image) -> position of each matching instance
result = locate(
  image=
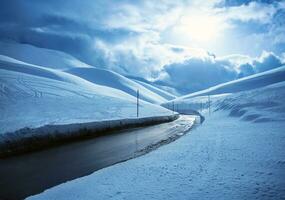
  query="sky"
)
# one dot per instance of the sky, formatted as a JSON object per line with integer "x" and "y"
{"x": 171, "y": 42}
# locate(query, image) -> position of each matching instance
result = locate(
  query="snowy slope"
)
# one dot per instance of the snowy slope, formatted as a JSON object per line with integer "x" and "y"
{"x": 237, "y": 153}
{"x": 167, "y": 89}
{"x": 240, "y": 98}
{"x": 40, "y": 56}
{"x": 115, "y": 80}
{"x": 157, "y": 90}
{"x": 247, "y": 83}
{"x": 33, "y": 96}
{"x": 64, "y": 62}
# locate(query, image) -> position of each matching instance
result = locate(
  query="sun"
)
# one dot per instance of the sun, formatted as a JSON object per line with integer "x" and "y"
{"x": 199, "y": 28}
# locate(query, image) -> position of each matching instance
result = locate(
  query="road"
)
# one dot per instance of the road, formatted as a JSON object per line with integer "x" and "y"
{"x": 32, "y": 173}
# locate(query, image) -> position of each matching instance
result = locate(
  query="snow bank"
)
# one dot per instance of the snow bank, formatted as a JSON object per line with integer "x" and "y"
{"x": 28, "y": 139}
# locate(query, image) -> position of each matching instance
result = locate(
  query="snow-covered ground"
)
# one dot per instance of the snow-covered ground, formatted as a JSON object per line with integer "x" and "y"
{"x": 237, "y": 153}
{"x": 33, "y": 96}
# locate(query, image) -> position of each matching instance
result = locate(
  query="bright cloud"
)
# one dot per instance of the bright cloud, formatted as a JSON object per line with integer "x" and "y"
{"x": 254, "y": 11}
{"x": 198, "y": 27}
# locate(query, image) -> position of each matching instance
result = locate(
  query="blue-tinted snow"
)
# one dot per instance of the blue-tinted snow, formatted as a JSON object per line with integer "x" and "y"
{"x": 33, "y": 96}
{"x": 237, "y": 153}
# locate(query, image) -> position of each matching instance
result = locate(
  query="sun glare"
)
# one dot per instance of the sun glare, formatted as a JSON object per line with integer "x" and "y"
{"x": 198, "y": 28}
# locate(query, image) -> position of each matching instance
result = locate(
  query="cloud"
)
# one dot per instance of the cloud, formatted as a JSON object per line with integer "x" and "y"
{"x": 267, "y": 61}
{"x": 198, "y": 73}
{"x": 245, "y": 70}
{"x": 123, "y": 36}
{"x": 254, "y": 11}
{"x": 138, "y": 37}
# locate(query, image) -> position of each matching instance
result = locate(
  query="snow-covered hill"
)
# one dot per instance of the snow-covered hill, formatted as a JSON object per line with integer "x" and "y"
{"x": 33, "y": 96}
{"x": 61, "y": 61}
{"x": 247, "y": 83}
{"x": 157, "y": 90}
{"x": 40, "y": 56}
{"x": 115, "y": 80}
{"x": 257, "y": 98}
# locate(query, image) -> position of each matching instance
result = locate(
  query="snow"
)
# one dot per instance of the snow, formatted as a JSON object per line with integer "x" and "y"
{"x": 61, "y": 61}
{"x": 40, "y": 56}
{"x": 115, "y": 80}
{"x": 250, "y": 82}
{"x": 237, "y": 153}
{"x": 33, "y": 96}
{"x": 157, "y": 90}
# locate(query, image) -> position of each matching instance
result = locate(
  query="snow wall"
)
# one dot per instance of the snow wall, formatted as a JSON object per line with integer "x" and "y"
{"x": 30, "y": 139}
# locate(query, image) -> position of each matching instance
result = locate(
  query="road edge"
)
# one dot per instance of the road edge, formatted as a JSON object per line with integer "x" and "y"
{"x": 33, "y": 139}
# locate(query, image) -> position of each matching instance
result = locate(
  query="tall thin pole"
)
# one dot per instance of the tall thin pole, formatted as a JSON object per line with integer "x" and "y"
{"x": 138, "y": 96}
{"x": 209, "y": 103}
{"x": 177, "y": 109}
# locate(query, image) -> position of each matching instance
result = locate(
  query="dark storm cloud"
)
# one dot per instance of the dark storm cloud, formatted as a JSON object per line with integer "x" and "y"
{"x": 246, "y": 70}
{"x": 59, "y": 25}
{"x": 198, "y": 73}
{"x": 266, "y": 62}
{"x": 230, "y": 3}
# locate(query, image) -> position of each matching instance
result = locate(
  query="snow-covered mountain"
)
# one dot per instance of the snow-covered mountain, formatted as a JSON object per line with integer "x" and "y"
{"x": 33, "y": 96}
